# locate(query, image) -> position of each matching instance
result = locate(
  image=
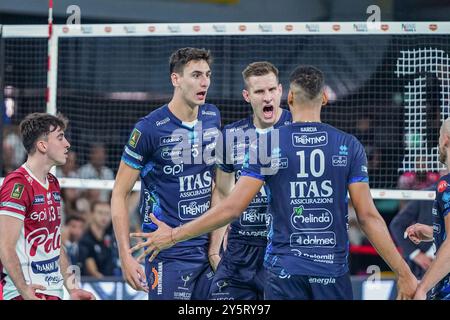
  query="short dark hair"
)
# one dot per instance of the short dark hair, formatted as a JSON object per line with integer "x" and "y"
{"x": 180, "y": 58}
{"x": 309, "y": 79}
{"x": 98, "y": 203}
{"x": 259, "y": 68}
{"x": 36, "y": 125}
{"x": 74, "y": 217}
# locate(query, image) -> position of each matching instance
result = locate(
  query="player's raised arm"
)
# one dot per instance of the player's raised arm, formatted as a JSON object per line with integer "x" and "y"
{"x": 131, "y": 269}
{"x": 223, "y": 186}
{"x": 164, "y": 237}
{"x": 377, "y": 232}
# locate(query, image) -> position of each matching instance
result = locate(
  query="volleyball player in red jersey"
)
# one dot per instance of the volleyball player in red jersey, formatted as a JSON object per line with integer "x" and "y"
{"x": 34, "y": 265}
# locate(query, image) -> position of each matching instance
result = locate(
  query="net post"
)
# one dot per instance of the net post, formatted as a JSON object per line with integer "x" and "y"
{"x": 52, "y": 64}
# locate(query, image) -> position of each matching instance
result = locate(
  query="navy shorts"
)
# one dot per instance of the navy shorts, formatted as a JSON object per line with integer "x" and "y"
{"x": 240, "y": 274}
{"x": 178, "y": 279}
{"x": 299, "y": 287}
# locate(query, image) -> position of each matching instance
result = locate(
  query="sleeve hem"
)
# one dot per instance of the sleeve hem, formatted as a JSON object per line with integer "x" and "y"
{"x": 252, "y": 174}
{"x": 12, "y": 214}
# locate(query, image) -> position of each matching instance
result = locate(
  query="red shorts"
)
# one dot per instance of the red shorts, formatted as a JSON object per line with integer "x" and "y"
{"x": 39, "y": 295}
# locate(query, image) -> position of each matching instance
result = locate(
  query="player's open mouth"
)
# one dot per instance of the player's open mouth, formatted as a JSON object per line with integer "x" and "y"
{"x": 268, "y": 112}
{"x": 201, "y": 95}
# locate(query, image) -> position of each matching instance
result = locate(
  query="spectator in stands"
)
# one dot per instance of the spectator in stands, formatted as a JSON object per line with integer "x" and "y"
{"x": 71, "y": 197}
{"x": 13, "y": 152}
{"x": 74, "y": 228}
{"x": 420, "y": 179}
{"x": 7, "y": 159}
{"x": 97, "y": 247}
{"x": 364, "y": 130}
{"x": 96, "y": 169}
{"x": 12, "y": 139}
{"x": 374, "y": 165}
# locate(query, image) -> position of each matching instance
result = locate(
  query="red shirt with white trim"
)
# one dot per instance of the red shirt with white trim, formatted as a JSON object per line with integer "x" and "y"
{"x": 24, "y": 197}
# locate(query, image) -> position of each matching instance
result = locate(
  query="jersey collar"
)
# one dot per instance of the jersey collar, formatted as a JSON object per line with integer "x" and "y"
{"x": 45, "y": 186}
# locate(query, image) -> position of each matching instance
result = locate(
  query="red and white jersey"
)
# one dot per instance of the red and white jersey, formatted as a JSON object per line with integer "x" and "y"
{"x": 39, "y": 207}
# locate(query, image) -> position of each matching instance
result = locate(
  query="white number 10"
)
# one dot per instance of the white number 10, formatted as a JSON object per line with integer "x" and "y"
{"x": 312, "y": 164}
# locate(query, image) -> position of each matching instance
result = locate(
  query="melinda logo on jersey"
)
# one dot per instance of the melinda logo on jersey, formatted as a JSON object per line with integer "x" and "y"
{"x": 311, "y": 218}
{"x": 42, "y": 237}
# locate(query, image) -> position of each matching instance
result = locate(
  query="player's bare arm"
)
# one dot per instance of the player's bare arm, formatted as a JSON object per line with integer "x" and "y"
{"x": 70, "y": 281}
{"x": 132, "y": 270}
{"x": 223, "y": 186}
{"x": 165, "y": 237}
{"x": 9, "y": 235}
{"x": 439, "y": 268}
{"x": 377, "y": 232}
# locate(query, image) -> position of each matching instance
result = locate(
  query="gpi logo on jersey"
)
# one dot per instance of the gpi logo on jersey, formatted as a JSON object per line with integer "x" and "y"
{"x": 173, "y": 170}
{"x": 311, "y": 218}
{"x": 43, "y": 215}
{"x": 310, "y": 139}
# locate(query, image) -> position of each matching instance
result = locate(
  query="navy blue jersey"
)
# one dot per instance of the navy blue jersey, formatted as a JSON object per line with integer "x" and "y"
{"x": 308, "y": 168}
{"x": 441, "y": 209}
{"x": 251, "y": 227}
{"x": 177, "y": 166}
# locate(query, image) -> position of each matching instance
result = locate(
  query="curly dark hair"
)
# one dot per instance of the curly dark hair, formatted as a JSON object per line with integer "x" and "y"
{"x": 309, "y": 79}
